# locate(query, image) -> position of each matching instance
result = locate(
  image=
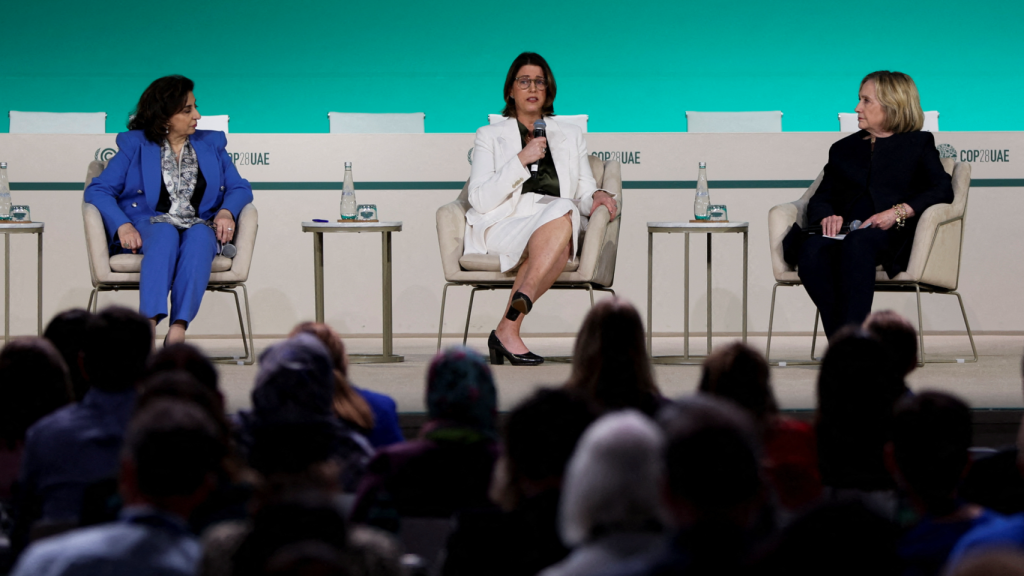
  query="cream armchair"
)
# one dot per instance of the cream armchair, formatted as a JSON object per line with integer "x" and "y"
{"x": 934, "y": 259}
{"x": 121, "y": 271}
{"x": 594, "y": 269}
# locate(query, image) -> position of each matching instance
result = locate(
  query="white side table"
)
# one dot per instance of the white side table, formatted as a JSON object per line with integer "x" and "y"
{"x": 8, "y": 228}
{"x": 385, "y": 228}
{"x": 688, "y": 228}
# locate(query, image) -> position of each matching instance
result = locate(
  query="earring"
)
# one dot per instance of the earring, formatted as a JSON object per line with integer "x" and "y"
{"x": 167, "y": 130}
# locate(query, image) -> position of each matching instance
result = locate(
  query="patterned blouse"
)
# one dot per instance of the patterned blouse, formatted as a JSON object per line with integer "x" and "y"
{"x": 180, "y": 176}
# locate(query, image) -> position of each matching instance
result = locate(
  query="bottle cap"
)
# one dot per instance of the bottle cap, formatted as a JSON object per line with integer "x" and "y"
{"x": 348, "y": 165}
{"x": 3, "y": 165}
{"x": 703, "y": 165}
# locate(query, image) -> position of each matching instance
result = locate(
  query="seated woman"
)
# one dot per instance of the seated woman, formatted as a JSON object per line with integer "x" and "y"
{"x": 172, "y": 194}
{"x": 528, "y": 206}
{"x": 885, "y": 175}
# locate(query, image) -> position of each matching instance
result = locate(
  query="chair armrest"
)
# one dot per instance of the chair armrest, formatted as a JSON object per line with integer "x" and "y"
{"x": 594, "y": 241}
{"x": 245, "y": 242}
{"x": 451, "y": 235}
{"x": 935, "y": 255}
{"x": 96, "y": 244}
{"x": 780, "y": 219}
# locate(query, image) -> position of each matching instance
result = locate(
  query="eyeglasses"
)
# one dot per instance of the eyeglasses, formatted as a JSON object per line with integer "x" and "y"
{"x": 524, "y": 83}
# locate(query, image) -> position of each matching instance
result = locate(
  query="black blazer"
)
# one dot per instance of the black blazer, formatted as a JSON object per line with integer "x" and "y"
{"x": 902, "y": 168}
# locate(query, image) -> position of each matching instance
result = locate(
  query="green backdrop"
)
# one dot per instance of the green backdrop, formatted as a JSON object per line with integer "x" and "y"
{"x": 632, "y": 66}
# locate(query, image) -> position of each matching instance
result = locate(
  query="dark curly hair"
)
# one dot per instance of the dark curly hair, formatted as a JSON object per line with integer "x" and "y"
{"x": 527, "y": 59}
{"x": 164, "y": 98}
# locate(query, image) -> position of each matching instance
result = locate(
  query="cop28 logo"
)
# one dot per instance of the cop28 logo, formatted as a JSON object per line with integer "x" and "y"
{"x": 104, "y": 154}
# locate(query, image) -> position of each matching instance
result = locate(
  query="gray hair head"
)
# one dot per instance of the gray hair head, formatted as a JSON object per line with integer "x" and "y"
{"x": 611, "y": 482}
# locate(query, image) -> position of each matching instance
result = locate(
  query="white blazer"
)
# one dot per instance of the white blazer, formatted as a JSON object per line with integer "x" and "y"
{"x": 497, "y": 177}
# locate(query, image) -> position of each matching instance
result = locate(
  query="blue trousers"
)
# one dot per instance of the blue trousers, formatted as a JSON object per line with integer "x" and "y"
{"x": 175, "y": 261}
{"x": 839, "y": 275}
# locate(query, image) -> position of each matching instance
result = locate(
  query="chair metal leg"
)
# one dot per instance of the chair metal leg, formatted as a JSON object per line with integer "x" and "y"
{"x": 814, "y": 336}
{"x": 248, "y": 345}
{"x": 251, "y": 350}
{"x": 920, "y": 328}
{"x": 469, "y": 313}
{"x": 771, "y": 319}
{"x": 94, "y": 295}
{"x": 440, "y": 323}
{"x": 967, "y": 325}
{"x": 590, "y": 290}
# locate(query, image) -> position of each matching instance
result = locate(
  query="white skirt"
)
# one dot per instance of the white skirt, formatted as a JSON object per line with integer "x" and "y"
{"x": 508, "y": 237}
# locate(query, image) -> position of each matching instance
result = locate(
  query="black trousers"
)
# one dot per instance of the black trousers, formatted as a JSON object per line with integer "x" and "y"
{"x": 839, "y": 275}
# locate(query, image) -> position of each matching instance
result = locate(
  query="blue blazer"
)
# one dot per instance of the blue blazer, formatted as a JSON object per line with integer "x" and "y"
{"x": 129, "y": 189}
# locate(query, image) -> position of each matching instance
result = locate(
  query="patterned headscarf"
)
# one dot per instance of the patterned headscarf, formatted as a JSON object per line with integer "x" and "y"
{"x": 460, "y": 391}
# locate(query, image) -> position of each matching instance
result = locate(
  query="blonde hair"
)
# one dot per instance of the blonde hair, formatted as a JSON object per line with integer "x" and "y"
{"x": 897, "y": 94}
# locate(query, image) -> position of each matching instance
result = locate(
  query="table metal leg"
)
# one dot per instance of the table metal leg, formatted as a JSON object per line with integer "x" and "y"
{"x": 650, "y": 294}
{"x": 386, "y": 289}
{"x": 686, "y": 297}
{"x": 7, "y": 288}
{"x": 318, "y": 274}
{"x": 709, "y": 295}
{"x": 39, "y": 294}
{"x": 744, "y": 287}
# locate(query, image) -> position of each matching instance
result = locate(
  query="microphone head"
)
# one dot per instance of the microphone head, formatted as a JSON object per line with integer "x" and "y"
{"x": 228, "y": 251}
{"x": 539, "y": 128}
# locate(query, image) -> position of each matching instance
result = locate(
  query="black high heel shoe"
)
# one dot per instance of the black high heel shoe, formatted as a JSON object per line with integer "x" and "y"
{"x": 499, "y": 353}
{"x": 521, "y": 303}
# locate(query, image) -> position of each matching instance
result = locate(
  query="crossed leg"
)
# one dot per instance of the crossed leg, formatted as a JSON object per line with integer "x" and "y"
{"x": 544, "y": 259}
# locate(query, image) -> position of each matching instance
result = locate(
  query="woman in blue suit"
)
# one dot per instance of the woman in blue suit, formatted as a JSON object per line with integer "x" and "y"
{"x": 172, "y": 194}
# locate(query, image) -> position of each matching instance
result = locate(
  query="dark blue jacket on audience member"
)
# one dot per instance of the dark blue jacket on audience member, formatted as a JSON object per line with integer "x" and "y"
{"x": 72, "y": 448}
{"x": 1006, "y": 532}
{"x": 926, "y": 547}
{"x": 386, "y": 430}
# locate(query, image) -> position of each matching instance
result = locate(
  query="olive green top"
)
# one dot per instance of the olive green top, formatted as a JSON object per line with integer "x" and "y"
{"x": 545, "y": 180}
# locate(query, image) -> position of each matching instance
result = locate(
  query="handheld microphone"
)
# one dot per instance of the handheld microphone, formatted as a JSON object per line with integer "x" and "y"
{"x": 228, "y": 250}
{"x": 539, "y": 131}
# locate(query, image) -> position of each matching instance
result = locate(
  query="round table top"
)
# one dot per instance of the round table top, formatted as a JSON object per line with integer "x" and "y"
{"x": 704, "y": 227}
{"x": 354, "y": 226}
{"x": 8, "y": 227}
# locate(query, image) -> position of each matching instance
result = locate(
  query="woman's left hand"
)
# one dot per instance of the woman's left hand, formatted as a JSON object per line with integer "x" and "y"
{"x": 602, "y": 198}
{"x": 225, "y": 224}
{"x": 887, "y": 219}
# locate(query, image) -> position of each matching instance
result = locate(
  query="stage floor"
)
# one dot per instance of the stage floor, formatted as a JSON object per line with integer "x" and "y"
{"x": 994, "y": 382}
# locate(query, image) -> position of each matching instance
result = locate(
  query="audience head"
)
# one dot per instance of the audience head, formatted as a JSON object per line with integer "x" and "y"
{"x": 712, "y": 463}
{"x": 540, "y": 436}
{"x": 164, "y": 98}
{"x": 295, "y": 380}
{"x": 610, "y": 365}
{"x": 739, "y": 373}
{"x": 188, "y": 358}
{"x": 897, "y": 335}
{"x": 295, "y": 455}
{"x": 171, "y": 456}
{"x": 67, "y": 332}
{"x": 33, "y": 382}
{"x": 183, "y": 385}
{"x": 857, "y": 388}
{"x": 897, "y": 95}
{"x": 303, "y": 529}
{"x": 931, "y": 436}
{"x": 461, "y": 391}
{"x": 841, "y": 538}
{"x": 512, "y": 88}
{"x": 612, "y": 481}
{"x": 348, "y": 403}
{"x": 117, "y": 344}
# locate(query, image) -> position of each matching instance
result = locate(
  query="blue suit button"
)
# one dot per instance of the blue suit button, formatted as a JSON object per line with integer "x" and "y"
{"x": 221, "y": 188}
{"x": 140, "y": 191}
{"x": 135, "y": 205}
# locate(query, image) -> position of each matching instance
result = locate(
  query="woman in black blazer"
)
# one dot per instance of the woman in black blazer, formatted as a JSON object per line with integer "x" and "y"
{"x": 885, "y": 175}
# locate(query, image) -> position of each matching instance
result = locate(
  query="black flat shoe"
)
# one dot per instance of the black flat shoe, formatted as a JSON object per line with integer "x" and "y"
{"x": 499, "y": 353}
{"x": 521, "y": 304}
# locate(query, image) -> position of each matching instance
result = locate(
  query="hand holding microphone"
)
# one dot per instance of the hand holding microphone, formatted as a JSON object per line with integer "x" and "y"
{"x": 536, "y": 148}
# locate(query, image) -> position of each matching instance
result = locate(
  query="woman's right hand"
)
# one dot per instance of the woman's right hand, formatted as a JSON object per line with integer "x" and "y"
{"x": 130, "y": 237}
{"x": 534, "y": 151}
{"x": 831, "y": 225}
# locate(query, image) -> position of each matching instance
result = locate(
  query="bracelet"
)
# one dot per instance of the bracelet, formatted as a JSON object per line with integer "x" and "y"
{"x": 901, "y": 215}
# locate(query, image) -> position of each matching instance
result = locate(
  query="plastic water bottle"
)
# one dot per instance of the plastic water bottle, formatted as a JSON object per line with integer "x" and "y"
{"x": 701, "y": 200}
{"x": 348, "y": 195}
{"x": 5, "y": 193}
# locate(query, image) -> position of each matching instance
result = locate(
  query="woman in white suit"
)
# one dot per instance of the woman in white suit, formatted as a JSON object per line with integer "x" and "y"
{"x": 529, "y": 218}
